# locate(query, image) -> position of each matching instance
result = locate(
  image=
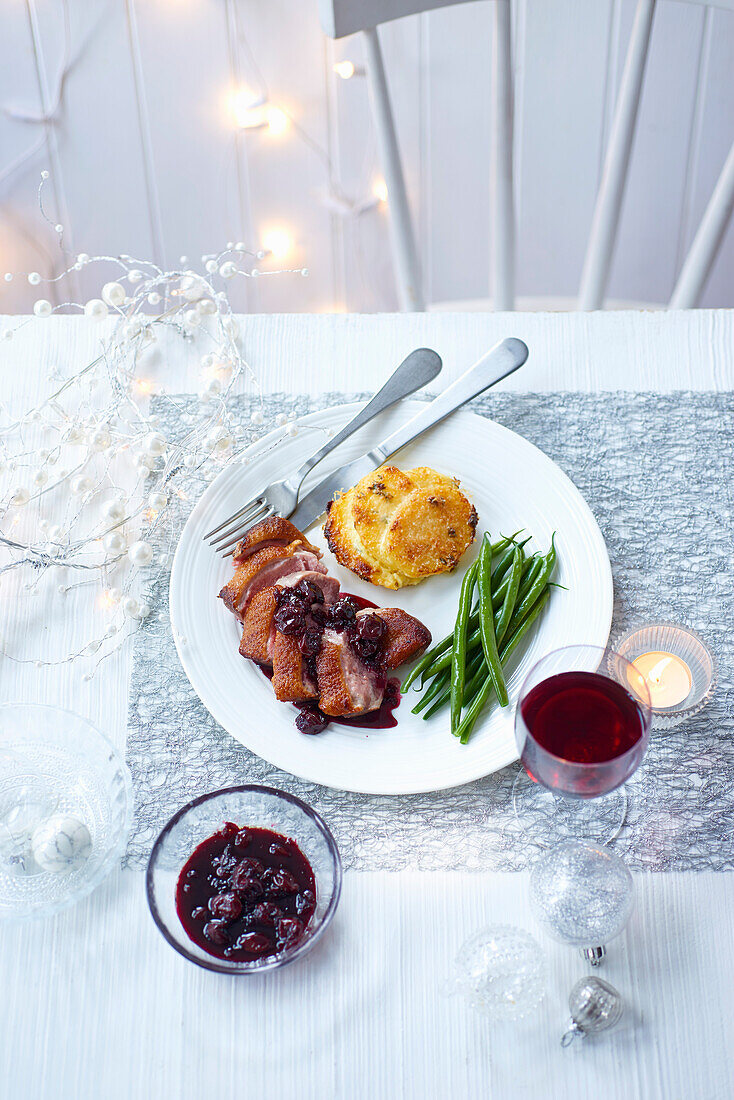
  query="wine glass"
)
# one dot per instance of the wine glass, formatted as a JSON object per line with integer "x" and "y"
{"x": 582, "y": 726}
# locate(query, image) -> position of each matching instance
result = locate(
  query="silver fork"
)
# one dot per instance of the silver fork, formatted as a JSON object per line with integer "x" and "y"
{"x": 281, "y": 497}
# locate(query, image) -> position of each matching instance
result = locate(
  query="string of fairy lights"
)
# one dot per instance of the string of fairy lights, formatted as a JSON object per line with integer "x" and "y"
{"x": 251, "y": 108}
{"x": 88, "y": 468}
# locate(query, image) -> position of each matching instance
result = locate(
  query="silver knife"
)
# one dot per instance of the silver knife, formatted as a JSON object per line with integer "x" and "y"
{"x": 502, "y": 360}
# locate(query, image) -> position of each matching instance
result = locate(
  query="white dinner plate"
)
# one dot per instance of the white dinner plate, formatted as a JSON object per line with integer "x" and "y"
{"x": 512, "y": 484}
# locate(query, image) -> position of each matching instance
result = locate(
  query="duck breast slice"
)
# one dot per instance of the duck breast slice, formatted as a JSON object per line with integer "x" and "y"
{"x": 257, "y": 626}
{"x": 274, "y": 531}
{"x": 405, "y": 637}
{"x": 347, "y": 686}
{"x": 262, "y": 570}
{"x": 291, "y": 680}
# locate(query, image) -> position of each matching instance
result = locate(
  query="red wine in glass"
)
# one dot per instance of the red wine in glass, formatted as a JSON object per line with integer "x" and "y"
{"x": 585, "y": 733}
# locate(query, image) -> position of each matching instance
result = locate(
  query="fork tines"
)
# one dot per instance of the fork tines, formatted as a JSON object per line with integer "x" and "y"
{"x": 238, "y": 524}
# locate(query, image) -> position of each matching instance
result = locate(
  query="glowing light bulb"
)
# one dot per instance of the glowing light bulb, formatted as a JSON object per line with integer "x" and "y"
{"x": 278, "y": 243}
{"x": 379, "y": 190}
{"x": 344, "y": 69}
{"x": 247, "y": 109}
{"x": 277, "y": 120}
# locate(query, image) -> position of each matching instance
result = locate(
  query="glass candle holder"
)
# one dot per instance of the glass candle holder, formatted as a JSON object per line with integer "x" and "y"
{"x": 66, "y": 809}
{"x": 678, "y": 666}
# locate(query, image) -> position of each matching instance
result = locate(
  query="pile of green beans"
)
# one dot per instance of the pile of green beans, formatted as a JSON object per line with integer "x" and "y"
{"x": 502, "y": 594}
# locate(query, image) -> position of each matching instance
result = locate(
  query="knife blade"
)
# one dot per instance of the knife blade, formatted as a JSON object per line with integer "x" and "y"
{"x": 498, "y": 363}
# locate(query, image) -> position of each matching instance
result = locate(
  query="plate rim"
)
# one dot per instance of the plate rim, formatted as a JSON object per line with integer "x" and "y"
{"x": 261, "y": 445}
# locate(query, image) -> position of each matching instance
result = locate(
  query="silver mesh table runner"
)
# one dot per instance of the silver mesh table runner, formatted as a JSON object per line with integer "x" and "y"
{"x": 656, "y": 471}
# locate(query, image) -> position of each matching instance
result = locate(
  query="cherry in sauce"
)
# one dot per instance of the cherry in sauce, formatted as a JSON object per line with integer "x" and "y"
{"x": 246, "y": 893}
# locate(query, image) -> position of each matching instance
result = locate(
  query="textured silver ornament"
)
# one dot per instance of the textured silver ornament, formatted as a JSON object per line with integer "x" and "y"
{"x": 582, "y": 895}
{"x": 595, "y": 1006}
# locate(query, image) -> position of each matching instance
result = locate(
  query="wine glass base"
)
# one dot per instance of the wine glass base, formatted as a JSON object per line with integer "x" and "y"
{"x": 548, "y": 818}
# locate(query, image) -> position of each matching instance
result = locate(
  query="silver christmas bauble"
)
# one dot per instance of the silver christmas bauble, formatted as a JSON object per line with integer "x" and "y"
{"x": 583, "y": 895}
{"x": 595, "y": 1006}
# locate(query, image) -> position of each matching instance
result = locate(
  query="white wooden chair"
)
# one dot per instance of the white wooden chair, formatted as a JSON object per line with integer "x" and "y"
{"x": 344, "y": 17}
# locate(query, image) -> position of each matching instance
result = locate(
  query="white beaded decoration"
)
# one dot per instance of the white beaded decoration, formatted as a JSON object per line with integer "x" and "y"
{"x": 96, "y": 309}
{"x": 115, "y": 542}
{"x": 99, "y": 435}
{"x": 140, "y": 554}
{"x": 157, "y": 501}
{"x": 113, "y": 294}
{"x": 61, "y": 843}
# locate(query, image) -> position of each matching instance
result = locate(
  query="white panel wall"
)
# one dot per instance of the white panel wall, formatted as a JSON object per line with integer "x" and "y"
{"x": 145, "y": 158}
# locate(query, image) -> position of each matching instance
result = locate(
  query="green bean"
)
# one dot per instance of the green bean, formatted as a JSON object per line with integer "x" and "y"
{"x": 458, "y": 649}
{"x": 441, "y": 681}
{"x": 473, "y": 639}
{"x": 486, "y": 625}
{"x": 508, "y": 604}
{"x": 467, "y": 723}
{"x": 539, "y": 584}
{"x": 505, "y": 561}
{"x": 444, "y": 695}
{"x": 534, "y": 565}
{"x": 445, "y": 644}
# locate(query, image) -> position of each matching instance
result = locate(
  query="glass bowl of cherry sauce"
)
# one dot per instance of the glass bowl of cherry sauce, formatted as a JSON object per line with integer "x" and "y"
{"x": 244, "y": 880}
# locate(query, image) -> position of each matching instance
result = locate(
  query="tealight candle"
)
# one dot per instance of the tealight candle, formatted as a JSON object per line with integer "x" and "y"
{"x": 678, "y": 668}
{"x": 668, "y": 677}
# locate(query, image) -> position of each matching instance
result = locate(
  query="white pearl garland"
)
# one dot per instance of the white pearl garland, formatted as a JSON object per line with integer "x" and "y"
{"x": 116, "y": 434}
{"x": 81, "y": 484}
{"x": 113, "y": 294}
{"x": 115, "y": 542}
{"x": 115, "y": 510}
{"x": 140, "y": 554}
{"x": 157, "y": 501}
{"x": 131, "y": 607}
{"x": 96, "y": 309}
{"x": 100, "y": 440}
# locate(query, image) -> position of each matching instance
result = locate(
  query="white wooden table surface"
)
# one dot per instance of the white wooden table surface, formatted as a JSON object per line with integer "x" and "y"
{"x": 96, "y": 1004}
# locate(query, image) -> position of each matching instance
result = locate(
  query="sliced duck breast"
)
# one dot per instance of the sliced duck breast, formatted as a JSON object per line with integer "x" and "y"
{"x": 262, "y": 570}
{"x": 405, "y": 637}
{"x": 346, "y": 684}
{"x": 257, "y": 627}
{"x": 291, "y": 680}
{"x": 274, "y": 531}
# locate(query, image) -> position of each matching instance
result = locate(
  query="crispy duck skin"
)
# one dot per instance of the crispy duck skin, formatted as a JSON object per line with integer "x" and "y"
{"x": 405, "y": 638}
{"x": 291, "y": 682}
{"x": 274, "y": 531}
{"x": 257, "y": 627}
